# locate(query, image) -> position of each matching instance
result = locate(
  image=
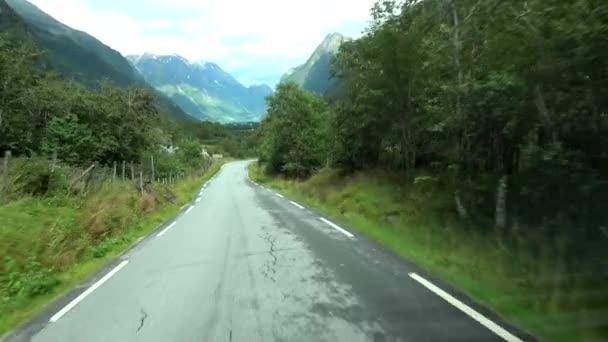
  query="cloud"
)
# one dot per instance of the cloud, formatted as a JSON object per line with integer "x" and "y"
{"x": 255, "y": 40}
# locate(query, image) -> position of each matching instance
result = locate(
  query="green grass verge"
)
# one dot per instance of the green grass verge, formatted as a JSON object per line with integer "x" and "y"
{"x": 418, "y": 222}
{"x": 49, "y": 245}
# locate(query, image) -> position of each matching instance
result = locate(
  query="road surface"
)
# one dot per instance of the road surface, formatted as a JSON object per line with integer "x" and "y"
{"x": 246, "y": 264}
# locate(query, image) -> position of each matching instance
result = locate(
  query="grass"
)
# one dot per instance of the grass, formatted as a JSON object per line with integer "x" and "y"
{"x": 49, "y": 245}
{"x": 418, "y": 222}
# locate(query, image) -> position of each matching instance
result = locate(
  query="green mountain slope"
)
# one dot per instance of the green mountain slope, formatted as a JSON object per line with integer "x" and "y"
{"x": 76, "y": 55}
{"x": 72, "y": 52}
{"x": 203, "y": 90}
{"x": 315, "y": 74}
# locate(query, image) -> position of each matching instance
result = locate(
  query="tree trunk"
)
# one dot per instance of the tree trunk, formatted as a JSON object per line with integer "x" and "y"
{"x": 543, "y": 111}
{"x": 501, "y": 204}
{"x": 124, "y": 166}
{"x": 462, "y": 211}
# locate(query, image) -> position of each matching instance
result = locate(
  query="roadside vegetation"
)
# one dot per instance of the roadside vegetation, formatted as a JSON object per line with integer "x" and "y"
{"x": 85, "y": 170}
{"x": 469, "y": 136}
{"x": 50, "y": 243}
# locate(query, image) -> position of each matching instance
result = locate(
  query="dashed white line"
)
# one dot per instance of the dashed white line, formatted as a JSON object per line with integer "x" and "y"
{"x": 296, "y": 204}
{"x": 165, "y": 230}
{"x": 336, "y": 227}
{"x": 495, "y": 328}
{"x": 198, "y": 199}
{"x": 279, "y": 195}
{"x": 189, "y": 209}
{"x": 87, "y": 292}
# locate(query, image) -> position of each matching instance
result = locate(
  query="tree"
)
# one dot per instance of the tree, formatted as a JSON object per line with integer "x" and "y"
{"x": 295, "y": 143}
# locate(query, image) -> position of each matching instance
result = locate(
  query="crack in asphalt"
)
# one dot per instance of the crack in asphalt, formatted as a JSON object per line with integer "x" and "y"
{"x": 270, "y": 268}
{"x": 144, "y": 315}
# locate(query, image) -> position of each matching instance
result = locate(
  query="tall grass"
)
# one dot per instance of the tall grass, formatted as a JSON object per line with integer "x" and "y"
{"x": 530, "y": 284}
{"x": 50, "y": 243}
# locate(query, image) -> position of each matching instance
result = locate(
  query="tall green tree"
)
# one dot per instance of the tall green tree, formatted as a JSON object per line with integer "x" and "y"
{"x": 295, "y": 137}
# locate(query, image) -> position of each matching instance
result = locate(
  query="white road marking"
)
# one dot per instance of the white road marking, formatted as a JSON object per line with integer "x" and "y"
{"x": 296, "y": 204}
{"x": 189, "y": 210}
{"x": 165, "y": 230}
{"x": 495, "y": 328}
{"x": 198, "y": 199}
{"x": 279, "y": 195}
{"x": 336, "y": 227}
{"x": 88, "y": 291}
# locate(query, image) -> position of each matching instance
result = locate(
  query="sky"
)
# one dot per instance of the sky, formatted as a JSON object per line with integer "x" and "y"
{"x": 256, "y": 41}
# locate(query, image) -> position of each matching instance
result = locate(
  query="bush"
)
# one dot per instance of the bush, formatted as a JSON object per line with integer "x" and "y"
{"x": 29, "y": 280}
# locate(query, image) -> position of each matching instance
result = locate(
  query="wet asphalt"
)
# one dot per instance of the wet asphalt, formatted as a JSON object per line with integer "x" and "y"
{"x": 247, "y": 265}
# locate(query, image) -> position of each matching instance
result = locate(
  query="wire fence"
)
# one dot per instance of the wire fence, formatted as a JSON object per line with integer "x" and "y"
{"x": 43, "y": 176}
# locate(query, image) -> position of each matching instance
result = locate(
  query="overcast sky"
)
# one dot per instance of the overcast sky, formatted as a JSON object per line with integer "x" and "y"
{"x": 255, "y": 40}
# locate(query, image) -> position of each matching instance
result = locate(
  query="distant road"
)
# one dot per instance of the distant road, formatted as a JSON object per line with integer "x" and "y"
{"x": 246, "y": 264}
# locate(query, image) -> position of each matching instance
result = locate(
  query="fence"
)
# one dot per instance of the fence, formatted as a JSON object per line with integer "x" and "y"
{"x": 84, "y": 179}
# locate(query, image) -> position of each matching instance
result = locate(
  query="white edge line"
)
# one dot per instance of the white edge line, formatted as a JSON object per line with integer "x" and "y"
{"x": 296, "y": 204}
{"x": 198, "y": 199}
{"x": 189, "y": 210}
{"x": 165, "y": 230}
{"x": 336, "y": 227}
{"x": 495, "y": 328}
{"x": 87, "y": 292}
{"x": 279, "y": 195}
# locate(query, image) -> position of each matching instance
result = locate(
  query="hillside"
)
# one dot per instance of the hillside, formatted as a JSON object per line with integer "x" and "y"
{"x": 72, "y": 52}
{"x": 315, "y": 74}
{"x": 203, "y": 90}
{"x": 76, "y": 55}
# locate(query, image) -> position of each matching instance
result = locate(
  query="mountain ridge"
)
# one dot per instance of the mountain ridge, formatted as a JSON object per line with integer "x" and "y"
{"x": 202, "y": 89}
{"x": 315, "y": 74}
{"x": 76, "y": 55}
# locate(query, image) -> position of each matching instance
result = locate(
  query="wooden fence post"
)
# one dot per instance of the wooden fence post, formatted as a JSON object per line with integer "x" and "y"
{"x": 132, "y": 172}
{"x": 152, "y": 162}
{"x": 123, "y": 170}
{"x": 141, "y": 182}
{"x": 114, "y": 173}
{"x": 7, "y": 156}
{"x": 88, "y": 179}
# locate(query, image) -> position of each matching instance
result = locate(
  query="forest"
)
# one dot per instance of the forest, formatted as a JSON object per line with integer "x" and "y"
{"x": 500, "y": 107}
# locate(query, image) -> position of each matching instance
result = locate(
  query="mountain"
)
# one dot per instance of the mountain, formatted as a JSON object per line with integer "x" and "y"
{"x": 203, "y": 89}
{"x": 9, "y": 20}
{"x": 76, "y": 55}
{"x": 315, "y": 74}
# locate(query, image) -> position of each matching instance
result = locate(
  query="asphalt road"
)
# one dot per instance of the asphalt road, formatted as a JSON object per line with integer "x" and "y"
{"x": 244, "y": 264}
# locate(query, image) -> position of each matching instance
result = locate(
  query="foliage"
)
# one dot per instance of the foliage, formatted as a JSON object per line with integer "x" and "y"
{"x": 42, "y": 113}
{"x": 294, "y": 135}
